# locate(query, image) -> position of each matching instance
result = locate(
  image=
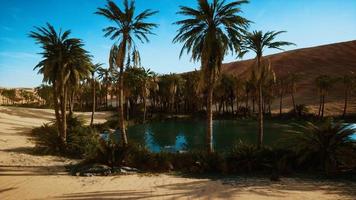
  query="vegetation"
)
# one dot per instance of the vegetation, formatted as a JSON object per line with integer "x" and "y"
{"x": 327, "y": 141}
{"x": 327, "y": 146}
{"x": 64, "y": 63}
{"x": 128, "y": 27}
{"x": 324, "y": 83}
{"x": 349, "y": 82}
{"x": 82, "y": 141}
{"x": 209, "y": 33}
{"x": 262, "y": 72}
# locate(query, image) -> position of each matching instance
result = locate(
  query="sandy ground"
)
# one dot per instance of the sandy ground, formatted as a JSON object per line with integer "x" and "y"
{"x": 27, "y": 176}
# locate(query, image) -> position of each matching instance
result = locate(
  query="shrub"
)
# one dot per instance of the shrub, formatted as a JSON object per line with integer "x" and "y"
{"x": 301, "y": 110}
{"x": 82, "y": 141}
{"x": 47, "y": 140}
{"x": 243, "y": 158}
{"x": 327, "y": 146}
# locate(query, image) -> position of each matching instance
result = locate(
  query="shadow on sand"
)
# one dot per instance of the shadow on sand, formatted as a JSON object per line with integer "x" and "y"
{"x": 15, "y": 170}
{"x": 225, "y": 188}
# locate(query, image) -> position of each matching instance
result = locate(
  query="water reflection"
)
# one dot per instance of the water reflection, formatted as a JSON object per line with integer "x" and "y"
{"x": 353, "y": 126}
{"x": 190, "y": 135}
{"x": 173, "y": 136}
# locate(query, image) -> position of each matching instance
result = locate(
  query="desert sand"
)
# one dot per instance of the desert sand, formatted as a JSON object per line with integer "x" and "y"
{"x": 27, "y": 176}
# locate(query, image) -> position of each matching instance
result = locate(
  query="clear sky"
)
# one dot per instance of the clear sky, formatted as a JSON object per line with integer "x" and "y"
{"x": 308, "y": 22}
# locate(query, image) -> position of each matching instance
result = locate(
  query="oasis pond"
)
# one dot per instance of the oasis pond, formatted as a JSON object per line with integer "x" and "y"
{"x": 186, "y": 135}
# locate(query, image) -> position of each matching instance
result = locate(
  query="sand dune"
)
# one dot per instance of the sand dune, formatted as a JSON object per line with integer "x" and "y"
{"x": 334, "y": 59}
{"x": 27, "y": 176}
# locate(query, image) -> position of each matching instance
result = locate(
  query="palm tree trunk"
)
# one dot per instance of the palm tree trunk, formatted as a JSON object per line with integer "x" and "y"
{"x": 247, "y": 99}
{"x": 106, "y": 95}
{"x": 71, "y": 103}
{"x": 237, "y": 104}
{"x": 260, "y": 116}
{"x": 121, "y": 108}
{"x": 128, "y": 108}
{"x": 280, "y": 102}
{"x": 345, "y": 104}
{"x": 63, "y": 102}
{"x": 144, "y": 109}
{"x": 209, "y": 133}
{"x": 232, "y": 105}
{"x": 260, "y": 107}
{"x": 94, "y": 102}
{"x": 293, "y": 100}
{"x": 56, "y": 108}
{"x": 320, "y": 103}
{"x": 121, "y": 59}
{"x": 323, "y": 106}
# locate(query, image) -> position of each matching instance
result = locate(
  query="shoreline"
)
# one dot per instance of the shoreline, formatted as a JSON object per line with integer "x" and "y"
{"x": 27, "y": 176}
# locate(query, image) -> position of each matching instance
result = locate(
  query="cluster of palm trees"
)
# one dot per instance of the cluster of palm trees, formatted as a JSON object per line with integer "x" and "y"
{"x": 65, "y": 63}
{"x": 325, "y": 83}
{"x": 208, "y": 33}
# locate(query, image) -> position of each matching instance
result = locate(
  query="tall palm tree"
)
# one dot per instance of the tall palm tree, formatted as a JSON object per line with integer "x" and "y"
{"x": 94, "y": 69}
{"x": 209, "y": 32}
{"x": 127, "y": 28}
{"x": 60, "y": 55}
{"x": 257, "y": 41}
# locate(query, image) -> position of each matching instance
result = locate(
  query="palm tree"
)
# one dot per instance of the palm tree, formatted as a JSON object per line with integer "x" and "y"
{"x": 77, "y": 72}
{"x": 257, "y": 41}
{"x": 60, "y": 55}
{"x": 281, "y": 90}
{"x": 104, "y": 76}
{"x": 293, "y": 79}
{"x": 324, "y": 84}
{"x": 94, "y": 69}
{"x": 239, "y": 86}
{"x": 146, "y": 84}
{"x": 349, "y": 81}
{"x": 127, "y": 28}
{"x": 45, "y": 94}
{"x": 211, "y": 31}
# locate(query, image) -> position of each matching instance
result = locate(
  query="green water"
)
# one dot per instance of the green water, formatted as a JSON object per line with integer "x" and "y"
{"x": 190, "y": 135}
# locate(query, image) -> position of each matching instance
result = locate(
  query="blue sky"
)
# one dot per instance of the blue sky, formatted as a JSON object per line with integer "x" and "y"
{"x": 309, "y": 23}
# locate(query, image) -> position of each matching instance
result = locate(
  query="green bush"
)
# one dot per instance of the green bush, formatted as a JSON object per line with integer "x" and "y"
{"x": 326, "y": 146}
{"x": 82, "y": 141}
{"x": 47, "y": 140}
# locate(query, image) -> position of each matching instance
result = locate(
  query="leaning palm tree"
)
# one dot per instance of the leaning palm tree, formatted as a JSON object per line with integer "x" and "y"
{"x": 61, "y": 57}
{"x": 257, "y": 41}
{"x": 209, "y": 33}
{"x": 127, "y": 28}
